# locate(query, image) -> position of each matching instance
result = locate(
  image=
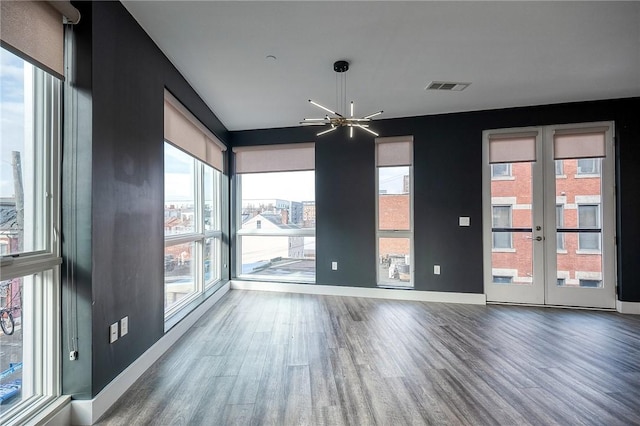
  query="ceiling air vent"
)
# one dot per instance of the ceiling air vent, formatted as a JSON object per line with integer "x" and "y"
{"x": 450, "y": 86}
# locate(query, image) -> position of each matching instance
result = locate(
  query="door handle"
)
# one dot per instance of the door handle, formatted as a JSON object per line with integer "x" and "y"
{"x": 539, "y": 238}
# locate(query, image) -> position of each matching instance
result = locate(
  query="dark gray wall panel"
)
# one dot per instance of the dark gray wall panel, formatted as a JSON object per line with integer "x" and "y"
{"x": 125, "y": 221}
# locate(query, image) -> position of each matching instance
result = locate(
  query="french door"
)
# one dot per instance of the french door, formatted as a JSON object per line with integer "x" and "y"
{"x": 548, "y": 196}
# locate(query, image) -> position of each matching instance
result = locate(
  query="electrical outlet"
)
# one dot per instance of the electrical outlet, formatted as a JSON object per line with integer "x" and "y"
{"x": 113, "y": 332}
{"x": 334, "y": 266}
{"x": 73, "y": 355}
{"x": 464, "y": 221}
{"x": 124, "y": 326}
{"x": 436, "y": 269}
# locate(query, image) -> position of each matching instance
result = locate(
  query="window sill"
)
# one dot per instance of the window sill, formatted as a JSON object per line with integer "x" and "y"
{"x": 503, "y": 250}
{"x": 596, "y": 252}
{"x": 561, "y": 176}
{"x": 189, "y": 306}
{"x": 503, "y": 178}
{"x": 586, "y": 176}
{"x": 43, "y": 411}
{"x": 561, "y": 251}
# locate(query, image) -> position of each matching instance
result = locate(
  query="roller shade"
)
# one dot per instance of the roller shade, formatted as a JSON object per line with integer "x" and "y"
{"x": 34, "y": 30}
{"x": 184, "y": 130}
{"x": 275, "y": 158}
{"x": 579, "y": 143}
{"x": 512, "y": 147}
{"x": 394, "y": 151}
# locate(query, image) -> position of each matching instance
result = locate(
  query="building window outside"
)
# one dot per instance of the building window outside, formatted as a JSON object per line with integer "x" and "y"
{"x": 502, "y": 219}
{"x": 29, "y": 214}
{"x": 559, "y": 164}
{"x": 590, "y": 283}
{"x": 192, "y": 224}
{"x": 499, "y": 279}
{"x": 589, "y": 166}
{"x": 500, "y": 170}
{"x": 589, "y": 218}
{"x": 559, "y": 224}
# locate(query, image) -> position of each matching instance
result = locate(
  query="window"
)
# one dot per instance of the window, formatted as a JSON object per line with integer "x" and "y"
{"x": 589, "y": 218}
{"x": 29, "y": 205}
{"x": 394, "y": 183}
{"x": 500, "y": 170}
{"x": 590, "y": 283}
{"x": 501, "y": 220}
{"x": 561, "y": 282}
{"x": 193, "y": 160}
{"x": 500, "y": 279}
{"x": 589, "y": 166}
{"x": 276, "y": 239}
{"x": 559, "y": 164}
{"x": 559, "y": 224}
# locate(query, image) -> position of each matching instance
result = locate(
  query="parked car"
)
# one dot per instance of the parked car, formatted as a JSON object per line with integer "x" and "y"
{"x": 169, "y": 263}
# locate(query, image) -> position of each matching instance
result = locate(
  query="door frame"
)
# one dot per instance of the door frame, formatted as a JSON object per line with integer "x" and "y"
{"x": 544, "y": 290}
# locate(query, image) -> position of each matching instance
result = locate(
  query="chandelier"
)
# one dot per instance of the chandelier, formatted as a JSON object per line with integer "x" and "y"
{"x": 336, "y": 120}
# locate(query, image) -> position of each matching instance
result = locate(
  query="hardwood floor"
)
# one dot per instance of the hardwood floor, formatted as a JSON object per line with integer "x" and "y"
{"x": 264, "y": 358}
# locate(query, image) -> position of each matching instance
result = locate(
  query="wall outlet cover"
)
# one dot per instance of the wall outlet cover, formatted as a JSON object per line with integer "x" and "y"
{"x": 334, "y": 266}
{"x": 113, "y": 332}
{"x": 124, "y": 326}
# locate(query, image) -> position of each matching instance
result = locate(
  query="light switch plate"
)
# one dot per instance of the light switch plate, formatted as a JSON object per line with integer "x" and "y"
{"x": 436, "y": 269}
{"x": 464, "y": 221}
{"x": 334, "y": 266}
{"x": 113, "y": 332}
{"x": 124, "y": 326}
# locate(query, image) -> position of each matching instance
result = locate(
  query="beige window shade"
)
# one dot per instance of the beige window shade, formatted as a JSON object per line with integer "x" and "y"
{"x": 184, "y": 130}
{"x": 34, "y": 30}
{"x": 512, "y": 147}
{"x": 275, "y": 158}
{"x": 579, "y": 143}
{"x": 394, "y": 151}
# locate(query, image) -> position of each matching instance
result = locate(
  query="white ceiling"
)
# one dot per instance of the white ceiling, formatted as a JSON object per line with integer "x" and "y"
{"x": 513, "y": 53}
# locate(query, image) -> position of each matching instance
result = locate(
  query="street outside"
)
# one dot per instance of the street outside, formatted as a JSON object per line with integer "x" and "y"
{"x": 10, "y": 353}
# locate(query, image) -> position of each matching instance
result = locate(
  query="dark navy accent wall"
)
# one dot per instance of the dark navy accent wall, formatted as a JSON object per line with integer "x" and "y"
{"x": 120, "y": 77}
{"x": 447, "y": 184}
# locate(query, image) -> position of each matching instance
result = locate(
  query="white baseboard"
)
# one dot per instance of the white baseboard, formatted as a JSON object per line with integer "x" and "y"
{"x": 628, "y": 307}
{"x": 87, "y": 412}
{"x": 378, "y": 293}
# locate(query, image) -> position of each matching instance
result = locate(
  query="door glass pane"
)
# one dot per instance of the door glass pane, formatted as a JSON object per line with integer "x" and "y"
{"x": 179, "y": 272}
{"x": 395, "y": 263}
{"x": 579, "y": 263}
{"x": 512, "y": 249}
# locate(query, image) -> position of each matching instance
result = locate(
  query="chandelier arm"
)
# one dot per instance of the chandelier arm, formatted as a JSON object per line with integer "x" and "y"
{"x": 373, "y": 115}
{"x": 326, "y": 131}
{"x": 368, "y": 130}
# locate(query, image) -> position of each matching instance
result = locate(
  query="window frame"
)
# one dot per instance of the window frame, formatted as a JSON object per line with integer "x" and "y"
{"x": 594, "y": 171}
{"x": 395, "y": 233}
{"x": 198, "y": 237}
{"x": 41, "y": 344}
{"x": 262, "y": 232}
{"x": 508, "y": 174}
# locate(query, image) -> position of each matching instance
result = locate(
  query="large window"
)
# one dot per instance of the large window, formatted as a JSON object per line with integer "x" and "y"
{"x": 394, "y": 183}
{"x": 276, "y": 221}
{"x": 29, "y": 285}
{"x": 192, "y": 208}
{"x": 589, "y": 166}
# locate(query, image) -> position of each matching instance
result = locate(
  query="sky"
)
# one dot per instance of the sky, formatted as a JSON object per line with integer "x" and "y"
{"x": 11, "y": 116}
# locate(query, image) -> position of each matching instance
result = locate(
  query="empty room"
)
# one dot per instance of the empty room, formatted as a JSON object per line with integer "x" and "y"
{"x": 319, "y": 213}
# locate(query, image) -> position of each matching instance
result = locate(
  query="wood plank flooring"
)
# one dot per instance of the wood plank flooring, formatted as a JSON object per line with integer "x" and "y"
{"x": 261, "y": 358}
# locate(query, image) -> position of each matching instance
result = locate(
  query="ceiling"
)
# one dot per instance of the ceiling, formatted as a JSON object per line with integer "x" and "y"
{"x": 513, "y": 54}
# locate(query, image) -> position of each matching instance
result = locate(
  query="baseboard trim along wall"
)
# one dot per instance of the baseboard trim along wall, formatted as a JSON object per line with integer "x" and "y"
{"x": 378, "y": 293}
{"x": 87, "y": 412}
{"x": 626, "y": 307}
